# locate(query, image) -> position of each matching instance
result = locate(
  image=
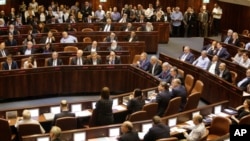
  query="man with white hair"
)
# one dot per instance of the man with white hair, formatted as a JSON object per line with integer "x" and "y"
{"x": 165, "y": 74}
{"x": 155, "y": 66}
{"x": 229, "y": 36}
{"x": 114, "y": 46}
{"x": 55, "y": 133}
{"x": 26, "y": 119}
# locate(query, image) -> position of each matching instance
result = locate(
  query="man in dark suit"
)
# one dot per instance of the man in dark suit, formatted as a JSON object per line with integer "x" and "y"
{"x": 28, "y": 50}
{"x": 54, "y": 61}
{"x": 108, "y": 26}
{"x": 12, "y": 30}
{"x": 155, "y": 66}
{"x": 141, "y": 19}
{"x": 224, "y": 73}
{"x": 187, "y": 56}
{"x": 127, "y": 27}
{"x": 229, "y": 36}
{"x": 162, "y": 98}
{"x": 11, "y": 41}
{"x": 64, "y": 112}
{"x": 245, "y": 81}
{"x": 213, "y": 66}
{"x": 147, "y": 27}
{"x": 175, "y": 74}
{"x": 3, "y": 52}
{"x": 111, "y": 37}
{"x": 127, "y": 132}
{"x": 114, "y": 46}
{"x": 86, "y": 10}
{"x": 144, "y": 62}
{"x": 94, "y": 59}
{"x": 9, "y": 64}
{"x": 78, "y": 59}
{"x": 132, "y": 37}
{"x": 179, "y": 90}
{"x": 210, "y": 48}
{"x": 48, "y": 39}
{"x": 93, "y": 47}
{"x": 222, "y": 52}
{"x": 165, "y": 74}
{"x": 158, "y": 131}
{"x": 112, "y": 58}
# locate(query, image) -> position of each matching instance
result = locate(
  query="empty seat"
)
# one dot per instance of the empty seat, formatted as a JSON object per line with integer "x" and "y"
{"x": 189, "y": 82}
{"x": 70, "y": 48}
{"x": 198, "y": 87}
{"x": 5, "y": 131}
{"x": 168, "y": 139}
{"x": 245, "y": 120}
{"x": 87, "y": 40}
{"x": 192, "y": 101}
{"x": 28, "y": 129}
{"x": 151, "y": 109}
{"x": 136, "y": 58}
{"x": 54, "y": 30}
{"x": 234, "y": 77}
{"x": 138, "y": 116}
{"x": 66, "y": 123}
{"x": 87, "y": 29}
{"x": 173, "y": 106}
{"x": 181, "y": 72}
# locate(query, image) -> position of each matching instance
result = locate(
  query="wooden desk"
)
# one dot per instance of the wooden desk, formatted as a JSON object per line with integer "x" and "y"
{"x": 215, "y": 89}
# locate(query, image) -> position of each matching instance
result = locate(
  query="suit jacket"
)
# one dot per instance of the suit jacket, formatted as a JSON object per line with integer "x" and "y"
{"x": 108, "y": 39}
{"x": 118, "y": 48}
{"x": 236, "y": 43}
{"x": 33, "y": 51}
{"x": 226, "y": 75}
{"x": 5, "y": 51}
{"x": 230, "y": 38}
{"x": 15, "y": 32}
{"x": 189, "y": 59}
{"x": 216, "y": 66}
{"x": 14, "y": 65}
{"x": 209, "y": 50}
{"x": 178, "y": 76}
{"x": 129, "y": 136}
{"x": 243, "y": 86}
{"x": 158, "y": 131}
{"x": 117, "y": 60}
{"x": 74, "y": 61}
{"x": 144, "y": 65}
{"x": 180, "y": 91}
{"x": 59, "y": 62}
{"x": 112, "y": 28}
{"x": 90, "y": 61}
{"x": 88, "y": 48}
{"x": 123, "y": 28}
{"x": 157, "y": 69}
{"x": 162, "y": 99}
{"x": 135, "y": 104}
{"x": 63, "y": 114}
{"x": 223, "y": 53}
{"x": 165, "y": 76}
{"x": 133, "y": 40}
{"x": 86, "y": 11}
{"x": 9, "y": 43}
{"x": 43, "y": 40}
{"x": 104, "y": 113}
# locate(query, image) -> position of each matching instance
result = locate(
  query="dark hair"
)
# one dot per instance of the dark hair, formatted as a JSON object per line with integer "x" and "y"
{"x": 105, "y": 93}
{"x": 137, "y": 92}
{"x": 164, "y": 85}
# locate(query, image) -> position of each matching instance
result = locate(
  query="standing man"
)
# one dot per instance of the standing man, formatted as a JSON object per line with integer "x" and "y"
{"x": 217, "y": 14}
{"x": 86, "y": 11}
{"x": 176, "y": 18}
{"x": 203, "y": 19}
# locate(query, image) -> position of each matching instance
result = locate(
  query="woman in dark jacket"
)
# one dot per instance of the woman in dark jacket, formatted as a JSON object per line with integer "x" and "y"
{"x": 137, "y": 102}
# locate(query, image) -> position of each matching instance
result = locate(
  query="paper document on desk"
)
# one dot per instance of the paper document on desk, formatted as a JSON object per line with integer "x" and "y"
{"x": 190, "y": 122}
{"x": 83, "y": 113}
{"x": 141, "y": 135}
{"x": 119, "y": 108}
{"x": 49, "y": 116}
{"x": 176, "y": 129}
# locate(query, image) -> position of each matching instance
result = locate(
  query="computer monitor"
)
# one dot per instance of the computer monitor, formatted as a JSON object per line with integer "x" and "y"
{"x": 172, "y": 122}
{"x": 114, "y": 132}
{"x": 76, "y": 108}
{"x": 55, "y": 109}
{"x": 80, "y": 136}
{"x": 146, "y": 127}
{"x": 34, "y": 112}
{"x": 125, "y": 100}
{"x": 115, "y": 102}
{"x": 217, "y": 109}
{"x": 11, "y": 115}
{"x": 93, "y": 105}
{"x": 42, "y": 139}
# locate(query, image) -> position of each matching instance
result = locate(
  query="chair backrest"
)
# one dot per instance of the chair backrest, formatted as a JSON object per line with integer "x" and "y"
{"x": 173, "y": 106}
{"x": 192, "y": 101}
{"x": 5, "y": 131}
{"x": 70, "y": 48}
{"x": 198, "y": 87}
{"x": 204, "y": 137}
{"x": 87, "y": 40}
{"x": 28, "y": 129}
{"x": 87, "y": 29}
{"x": 136, "y": 58}
{"x": 219, "y": 126}
{"x": 54, "y": 30}
{"x": 46, "y": 61}
{"x": 234, "y": 77}
{"x": 168, "y": 139}
{"x": 1, "y": 65}
{"x": 242, "y": 45}
{"x": 189, "y": 83}
{"x": 66, "y": 123}
{"x": 151, "y": 109}
{"x": 245, "y": 120}
{"x": 22, "y": 61}
{"x": 138, "y": 116}
{"x": 70, "y": 58}
{"x": 245, "y": 32}
{"x": 181, "y": 72}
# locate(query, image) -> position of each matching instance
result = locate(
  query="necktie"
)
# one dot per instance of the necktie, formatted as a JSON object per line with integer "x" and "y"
{"x": 3, "y": 53}
{"x": 218, "y": 52}
{"x": 63, "y": 18}
{"x": 79, "y": 61}
{"x": 54, "y": 62}
{"x": 153, "y": 69}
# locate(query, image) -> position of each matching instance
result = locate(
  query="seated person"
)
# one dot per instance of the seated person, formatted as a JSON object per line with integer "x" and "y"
{"x": 30, "y": 63}
{"x": 187, "y": 56}
{"x": 224, "y": 73}
{"x": 11, "y": 41}
{"x": 244, "y": 61}
{"x": 26, "y": 119}
{"x": 9, "y": 64}
{"x": 235, "y": 39}
{"x": 179, "y": 90}
{"x": 210, "y": 48}
{"x": 12, "y": 30}
{"x": 43, "y": 28}
{"x": 175, "y": 74}
{"x": 127, "y": 27}
{"x": 213, "y": 66}
{"x": 48, "y": 39}
{"x": 69, "y": 28}
{"x": 144, "y": 62}
{"x": 108, "y": 26}
{"x": 228, "y": 37}
{"x": 158, "y": 131}
{"x": 132, "y": 37}
{"x": 247, "y": 47}
{"x": 93, "y": 47}
{"x": 222, "y": 52}
{"x": 136, "y": 101}
{"x": 54, "y": 60}
{"x": 112, "y": 58}
{"x": 66, "y": 38}
{"x": 52, "y": 20}
{"x": 242, "y": 84}
{"x": 48, "y": 48}
{"x": 203, "y": 61}
{"x": 111, "y": 37}
{"x": 165, "y": 74}
{"x": 55, "y": 133}
{"x": 127, "y": 132}
{"x": 114, "y": 46}
{"x": 141, "y": 19}
{"x": 124, "y": 18}
{"x": 78, "y": 59}
{"x": 94, "y": 59}
{"x": 3, "y": 51}
{"x": 147, "y": 27}
{"x": 154, "y": 67}
{"x": 29, "y": 38}
{"x": 238, "y": 56}
{"x": 28, "y": 50}
{"x": 158, "y": 17}
{"x": 64, "y": 112}
{"x": 71, "y": 19}
{"x": 243, "y": 110}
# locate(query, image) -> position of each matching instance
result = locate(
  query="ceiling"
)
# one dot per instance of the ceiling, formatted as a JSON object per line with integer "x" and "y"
{"x": 239, "y": 2}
